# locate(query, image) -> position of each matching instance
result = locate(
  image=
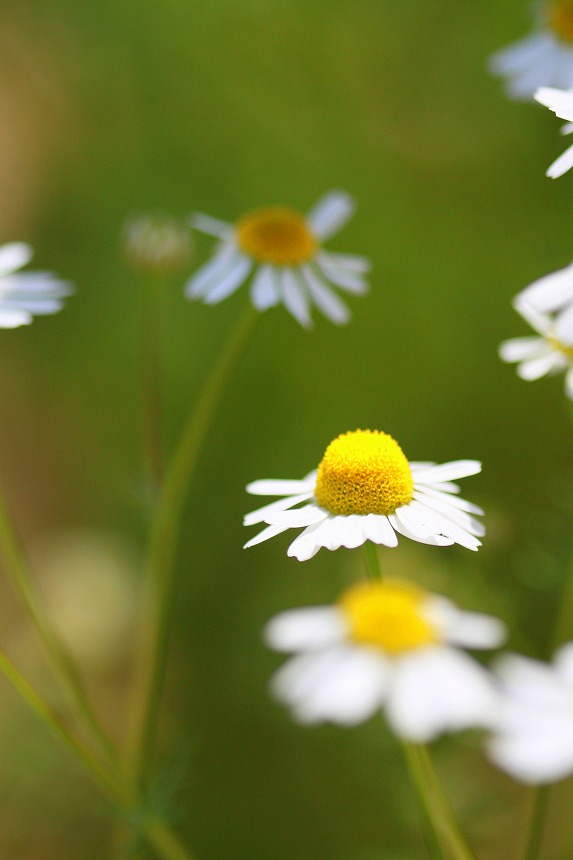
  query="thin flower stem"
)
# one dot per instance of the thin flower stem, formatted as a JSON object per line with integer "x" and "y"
{"x": 436, "y": 804}
{"x": 156, "y": 832}
{"x": 58, "y": 727}
{"x": 153, "y": 288}
{"x": 373, "y": 568}
{"x": 163, "y": 544}
{"x": 536, "y": 822}
{"x": 165, "y": 842}
{"x": 15, "y": 566}
{"x": 562, "y": 630}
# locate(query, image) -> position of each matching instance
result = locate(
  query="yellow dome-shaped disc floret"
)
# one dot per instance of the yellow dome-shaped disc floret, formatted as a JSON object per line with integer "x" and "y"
{"x": 560, "y": 19}
{"x": 387, "y": 615}
{"x": 363, "y": 472}
{"x": 276, "y": 235}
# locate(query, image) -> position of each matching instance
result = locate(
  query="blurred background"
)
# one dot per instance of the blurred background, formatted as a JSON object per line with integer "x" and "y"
{"x": 175, "y": 105}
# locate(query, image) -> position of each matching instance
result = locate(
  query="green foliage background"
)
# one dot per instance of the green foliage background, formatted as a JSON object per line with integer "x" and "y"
{"x": 178, "y": 105}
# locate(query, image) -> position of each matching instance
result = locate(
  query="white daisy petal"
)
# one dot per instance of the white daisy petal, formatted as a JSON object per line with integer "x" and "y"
{"x": 561, "y": 165}
{"x": 346, "y": 279}
{"x": 521, "y": 55}
{"x": 521, "y": 348}
{"x": 564, "y": 326}
{"x": 14, "y": 256}
{"x": 535, "y": 368}
{"x": 569, "y": 383}
{"x": 259, "y": 516}
{"x": 330, "y": 214}
{"x": 340, "y": 685}
{"x": 305, "y": 629}
{"x": 453, "y": 501}
{"x": 271, "y": 487}
{"x": 450, "y": 512}
{"x": 228, "y": 283}
{"x": 217, "y": 267}
{"x": 265, "y": 291}
{"x": 298, "y": 518}
{"x": 431, "y": 540}
{"x": 269, "y": 532}
{"x": 559, "y": 101}
{"x": 352, "y": 262}
{"x": 211, "y": 226}
{"x": 437, "y": 524}
{"x": 563, "y": 663}
{"x": 438, "y": 689}
{"x": 305, "y": 546}
{"x": 325, "y": 299}
{"x": 549, "y": 293}
{"x": 377, "y": 528}
{"x": 468, "y": 629}
{"x": 294, "y": 298}
{"x": 539, "y": 756}
{"x": 12, "y": 317}
{"x": 448, "y": 471}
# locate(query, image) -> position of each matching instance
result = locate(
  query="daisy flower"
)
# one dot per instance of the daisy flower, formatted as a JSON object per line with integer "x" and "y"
{"x": 365, "y": 489}
{"x": 544, "y": 58}
{"x": 561, "y": 103}
{"x": 283, "y": 252}
{"x": 386, "y": 644}
{"x": 533, "y": 737}
{"x": 24, "y": 294}
{"x": 544, "y": 353}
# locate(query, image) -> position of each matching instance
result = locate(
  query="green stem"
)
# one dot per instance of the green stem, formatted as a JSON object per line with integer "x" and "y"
{"x": 540, "y": 794}
{"x": 156, "y": 832}
{"x": 373, "y": 568}
{"x": 165, "y": 842}
{"x": 153, "y": 289}
{"x": 15, "y": 566}
{"x": 163, "y": 543}
{"x": 536, "y": 823}
{"x": 436, "y": 804}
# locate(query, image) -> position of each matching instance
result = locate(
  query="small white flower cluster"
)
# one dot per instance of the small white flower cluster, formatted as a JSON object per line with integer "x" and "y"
{"x": 542, "y": 67}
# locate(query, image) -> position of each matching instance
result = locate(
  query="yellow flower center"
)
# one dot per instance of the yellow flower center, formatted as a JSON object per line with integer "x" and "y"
{"x": 363, "y": 472}
{"x": 387, "y": 615}
{"x": 276, "y": 235}
{"x": 566, "y": 350}
{"x": 560, "y": 19}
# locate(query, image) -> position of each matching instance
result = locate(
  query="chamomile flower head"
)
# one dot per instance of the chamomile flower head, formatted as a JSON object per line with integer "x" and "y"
{"x": 561, "y": 103}
{"x": 281, "y": 252}
{"x": 533, "y": 736}
{"x": 386, "y": 645}
{"x": 543, "y": 354}
{"x": 544, "y": 58}
{"x": 365, "y": 489}
{"x": 25, "y": 294}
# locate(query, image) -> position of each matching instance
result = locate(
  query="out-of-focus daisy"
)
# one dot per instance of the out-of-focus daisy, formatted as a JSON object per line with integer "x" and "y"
{"x": 25, "y": 294}
{"x": 552, "y": 294}
{"x": 541, "y": 354}
{"x": 386, "y": 644}
{"x": 365, "y": 489}
{"x": 156, "y": 244}
{"x": 544, "y": 58}
{"x": 533, "y": 737}
{"x": 283, "y": 252}
{"x": 561, "y": 103}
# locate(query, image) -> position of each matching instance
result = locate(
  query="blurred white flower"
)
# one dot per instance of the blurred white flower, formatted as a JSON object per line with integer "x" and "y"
{"x": 156, "y": 244}
{"x": 544, "y": 58}
{"x": 25, "y": 294}
{"x": 533, "y": 737}
{"x": 543, "y": 354}
{"x": 91, "y": 591}
{"x": 552, "y": 294}
{"x": 283, "y": 251}
{"x": 386, "y": 644}
{"x": 561, "y": 103}
{"x": 365, "y": 489}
